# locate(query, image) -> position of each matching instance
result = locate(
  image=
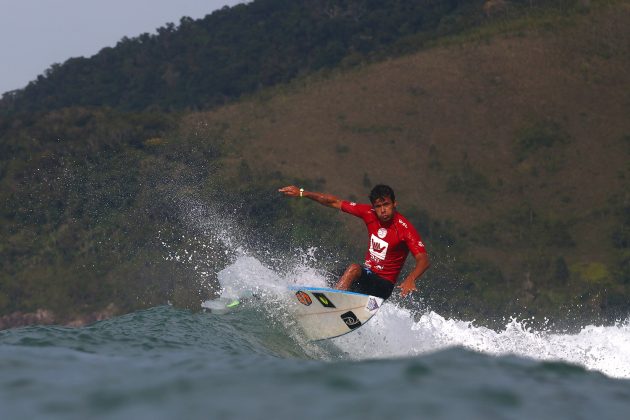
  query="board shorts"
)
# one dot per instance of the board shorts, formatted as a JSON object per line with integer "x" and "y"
{"x": 371, "y": 284}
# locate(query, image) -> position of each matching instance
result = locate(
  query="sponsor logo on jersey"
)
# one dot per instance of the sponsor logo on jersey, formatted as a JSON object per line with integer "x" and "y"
{"x": 420, "y": 244}
{"x": 303, "y": 298}
{"x": 372, "y": 304}
{"x": 402, "y": 223}
{"x": 324, "y": 300}
{"x": 353, "y": 204}
{"x": 382, "y": 232}
{"x": 351, "y": 320}
{"x": 378, "y": 247}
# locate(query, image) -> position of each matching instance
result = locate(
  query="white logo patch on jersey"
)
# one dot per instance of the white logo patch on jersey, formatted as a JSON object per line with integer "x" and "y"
{"x": 382, "y": 233}
{"x": 378, "y": 247}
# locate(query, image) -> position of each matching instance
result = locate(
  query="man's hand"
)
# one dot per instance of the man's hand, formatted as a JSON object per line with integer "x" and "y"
{"x": 325, "y": 199}
{"x": 407, "y": 286}
{"x": 290, "y": 191}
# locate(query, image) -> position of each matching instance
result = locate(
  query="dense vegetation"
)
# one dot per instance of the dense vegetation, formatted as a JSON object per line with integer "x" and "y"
{"x": 110, "y": 192}
{"x": 98, "y": 206}
{"x": 234, "y": 51}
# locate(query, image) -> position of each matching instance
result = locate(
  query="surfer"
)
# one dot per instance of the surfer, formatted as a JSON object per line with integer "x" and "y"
{"x": 392, "y": 237}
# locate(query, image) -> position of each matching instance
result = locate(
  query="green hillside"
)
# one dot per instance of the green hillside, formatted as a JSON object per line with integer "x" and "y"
{"x": 506, "y": 136}
{"x": 510, "y": 152}
{"x": 238, "y": 50}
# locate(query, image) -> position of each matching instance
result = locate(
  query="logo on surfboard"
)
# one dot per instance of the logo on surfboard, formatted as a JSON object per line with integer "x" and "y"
{"x": 372, "y": 304}
{"x": 303, "y": 298}
{"x": 324, "y": 300}
{"x": 351, "y": 320}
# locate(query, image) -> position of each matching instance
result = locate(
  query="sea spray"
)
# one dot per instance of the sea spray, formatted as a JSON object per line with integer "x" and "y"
{"x": 213, "y": 243}
{"x": 395, "y": 333}
{"x": 399, "y": 332}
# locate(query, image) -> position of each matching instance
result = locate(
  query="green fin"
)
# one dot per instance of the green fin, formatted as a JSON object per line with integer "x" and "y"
{"x": 233, "y": 304}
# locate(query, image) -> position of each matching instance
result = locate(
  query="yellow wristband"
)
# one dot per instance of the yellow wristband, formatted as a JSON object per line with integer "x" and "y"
{"x": 301, "y": 192}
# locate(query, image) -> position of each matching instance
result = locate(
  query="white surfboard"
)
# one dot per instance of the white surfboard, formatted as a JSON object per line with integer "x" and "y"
{"x": 327, "y": 313}
{"x": 320, "y": 312}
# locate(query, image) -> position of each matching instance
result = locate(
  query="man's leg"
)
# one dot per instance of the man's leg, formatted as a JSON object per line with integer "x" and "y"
{"x": 352, "y": 273}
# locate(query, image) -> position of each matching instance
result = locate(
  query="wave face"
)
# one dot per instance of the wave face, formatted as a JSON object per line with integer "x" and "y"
{"x": 172, "y": 363}
{"x": 400, "y": 332}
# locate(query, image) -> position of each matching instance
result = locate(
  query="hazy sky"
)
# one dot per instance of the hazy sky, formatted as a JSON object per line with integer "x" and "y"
{"x": 37, "y": 33}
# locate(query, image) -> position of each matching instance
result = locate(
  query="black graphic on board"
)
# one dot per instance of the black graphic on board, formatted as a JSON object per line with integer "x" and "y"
{"x": 351, "y": 320}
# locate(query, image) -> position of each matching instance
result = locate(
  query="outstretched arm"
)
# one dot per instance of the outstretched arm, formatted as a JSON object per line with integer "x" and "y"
{"x": 324, "y": 199}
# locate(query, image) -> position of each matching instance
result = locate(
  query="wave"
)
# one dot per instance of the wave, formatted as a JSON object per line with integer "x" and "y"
{"x": 395, "y": 332}
{"x": 400, "y": 332}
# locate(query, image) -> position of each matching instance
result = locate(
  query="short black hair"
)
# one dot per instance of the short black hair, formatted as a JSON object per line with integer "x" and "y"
{"x": 382, "y": 191}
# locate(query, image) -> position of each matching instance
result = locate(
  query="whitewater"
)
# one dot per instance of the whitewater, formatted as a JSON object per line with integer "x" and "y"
{"x": 400, "y": 332}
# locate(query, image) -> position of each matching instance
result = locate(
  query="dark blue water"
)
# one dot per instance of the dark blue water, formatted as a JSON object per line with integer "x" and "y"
{"x": 167, "y": 363}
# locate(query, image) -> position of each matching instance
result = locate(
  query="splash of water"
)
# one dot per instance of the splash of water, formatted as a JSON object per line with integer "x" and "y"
{"x": 396, "y": 332}
{"x": 248, "y": 275}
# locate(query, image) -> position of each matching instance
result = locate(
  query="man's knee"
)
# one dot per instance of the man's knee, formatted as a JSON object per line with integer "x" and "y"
{"x": 352, "y": 273}
{"x": 354, "y": 270}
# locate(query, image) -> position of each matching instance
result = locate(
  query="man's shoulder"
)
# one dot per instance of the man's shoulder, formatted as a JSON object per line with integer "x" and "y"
{"x": 356, "y": 206}
{"x": 403, "y": 221}
{"x": 410, "y": 234}
{"x": 364, "y": 211}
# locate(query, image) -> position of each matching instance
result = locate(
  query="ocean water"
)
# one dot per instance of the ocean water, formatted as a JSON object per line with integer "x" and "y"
{"x": 169, "y": 363}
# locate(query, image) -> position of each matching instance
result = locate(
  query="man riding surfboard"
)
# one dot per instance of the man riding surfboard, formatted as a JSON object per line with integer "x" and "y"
{"x": 392, "y": 237}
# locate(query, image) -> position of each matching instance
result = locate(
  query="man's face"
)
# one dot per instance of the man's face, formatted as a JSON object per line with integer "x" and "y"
{"x": 385, "y": 208}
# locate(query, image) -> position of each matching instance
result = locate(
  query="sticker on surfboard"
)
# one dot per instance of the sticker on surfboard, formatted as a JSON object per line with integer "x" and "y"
{"x": 332, "y": 312}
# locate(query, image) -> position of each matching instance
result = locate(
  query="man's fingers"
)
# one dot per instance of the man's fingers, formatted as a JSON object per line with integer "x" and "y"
{"x": 290, "y": 190}
{"x": 404, "y": 291}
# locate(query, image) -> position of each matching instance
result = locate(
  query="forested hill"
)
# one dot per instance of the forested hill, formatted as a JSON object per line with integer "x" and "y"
{"x": 206, "y": 62}
{"x": 504, "y": 131}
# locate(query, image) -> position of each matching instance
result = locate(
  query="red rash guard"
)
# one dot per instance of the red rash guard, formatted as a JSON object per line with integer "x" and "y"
{"x": 389, "y": 242}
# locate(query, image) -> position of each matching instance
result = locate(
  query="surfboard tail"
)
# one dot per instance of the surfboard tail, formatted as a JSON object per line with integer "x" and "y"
{"x": 324, "y": 313}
